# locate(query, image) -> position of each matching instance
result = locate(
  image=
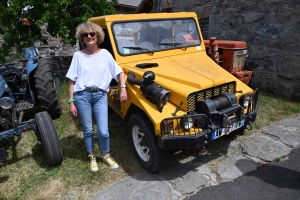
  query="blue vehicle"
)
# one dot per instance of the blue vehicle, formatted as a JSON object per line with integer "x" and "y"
{"x": 34, "y": 92}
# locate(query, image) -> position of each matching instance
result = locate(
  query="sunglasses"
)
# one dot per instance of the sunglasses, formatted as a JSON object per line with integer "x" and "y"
{"x": 92, "y": 34}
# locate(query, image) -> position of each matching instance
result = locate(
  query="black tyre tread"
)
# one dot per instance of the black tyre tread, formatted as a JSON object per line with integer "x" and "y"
{"x": 158, "y": 157}
{"x": 50, "y": 140}
{"x": 46, "y": 90}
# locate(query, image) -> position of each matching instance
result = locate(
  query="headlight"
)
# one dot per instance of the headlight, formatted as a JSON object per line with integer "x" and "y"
{"x": 168, "y": 126}
{"x": 215, "y": 48}
{"x": 217, "y": 58}
{"x": 186, "y": 123}
{"x": 245, "y": 100}
{"x": 6, "y": 102}
{"x": 246, "y": 103}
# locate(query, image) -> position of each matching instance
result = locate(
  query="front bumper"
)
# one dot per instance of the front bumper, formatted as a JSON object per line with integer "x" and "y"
{"x": 199, "y": 136}
{"x": 196, "y": 140}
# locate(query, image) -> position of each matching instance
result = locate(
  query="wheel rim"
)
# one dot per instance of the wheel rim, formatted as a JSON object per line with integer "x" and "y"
{"x": 140, "y": 143}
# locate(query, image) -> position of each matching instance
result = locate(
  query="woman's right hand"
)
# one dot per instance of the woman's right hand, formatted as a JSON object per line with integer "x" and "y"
{"x": 73, "y": 109}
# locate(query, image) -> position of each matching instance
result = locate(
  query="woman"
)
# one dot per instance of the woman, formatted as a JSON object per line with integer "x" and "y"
{"x": 90, "y": 74}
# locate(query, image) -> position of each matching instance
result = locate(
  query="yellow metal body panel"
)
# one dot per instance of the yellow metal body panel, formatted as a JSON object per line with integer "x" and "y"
{"x": 182, "y": 71}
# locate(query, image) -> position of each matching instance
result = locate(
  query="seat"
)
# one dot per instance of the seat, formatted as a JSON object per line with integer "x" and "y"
{"x": 165, "y": 40}
{"x": 147, "y": 45}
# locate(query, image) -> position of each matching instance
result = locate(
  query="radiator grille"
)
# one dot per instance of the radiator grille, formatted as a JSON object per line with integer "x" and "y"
{"x": 193, "y": 98}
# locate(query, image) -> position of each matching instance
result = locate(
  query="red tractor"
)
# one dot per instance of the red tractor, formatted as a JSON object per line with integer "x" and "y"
{"x": 231, "y": 56}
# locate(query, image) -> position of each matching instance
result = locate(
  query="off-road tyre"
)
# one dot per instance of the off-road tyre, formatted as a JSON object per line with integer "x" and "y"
{"x": 145, "y": 144}
{"x": 46, "y": 90}
{"x": 49, "y": 138}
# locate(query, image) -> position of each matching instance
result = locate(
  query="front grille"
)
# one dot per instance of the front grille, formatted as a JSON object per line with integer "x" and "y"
{"x": 193, "y": 98}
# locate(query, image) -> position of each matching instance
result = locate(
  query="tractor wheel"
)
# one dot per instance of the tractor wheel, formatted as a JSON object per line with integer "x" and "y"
{"x": 145, "y": 144}
{"x": 49, "y": 138}
{"x": 46, "y": 90}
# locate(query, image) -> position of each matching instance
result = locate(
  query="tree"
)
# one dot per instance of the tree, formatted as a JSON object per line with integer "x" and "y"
{"x": 61, "y": 16}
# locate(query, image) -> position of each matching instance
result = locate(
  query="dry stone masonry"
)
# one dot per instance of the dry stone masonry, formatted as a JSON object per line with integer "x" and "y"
{"x": 270, "y": 28}
{"x": 59, "y": 53}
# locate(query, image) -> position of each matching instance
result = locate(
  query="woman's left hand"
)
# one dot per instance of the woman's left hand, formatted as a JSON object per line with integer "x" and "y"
{"x": 123, "y": 95}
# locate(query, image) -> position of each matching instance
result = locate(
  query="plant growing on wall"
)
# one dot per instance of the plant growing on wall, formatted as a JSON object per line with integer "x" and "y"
{"x": 61, "y": 18}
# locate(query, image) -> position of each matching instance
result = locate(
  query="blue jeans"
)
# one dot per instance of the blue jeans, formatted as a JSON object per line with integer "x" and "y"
{"x": 86, "y": 104}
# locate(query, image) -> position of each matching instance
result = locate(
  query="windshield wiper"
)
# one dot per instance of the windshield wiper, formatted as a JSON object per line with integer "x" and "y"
{"x": 139, "y": 49}
{"x": 174, "y": 44}
{"x": 171, "y": 44}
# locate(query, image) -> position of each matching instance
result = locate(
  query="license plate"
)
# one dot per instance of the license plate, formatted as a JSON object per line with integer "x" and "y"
{"x": 220, "y": 132}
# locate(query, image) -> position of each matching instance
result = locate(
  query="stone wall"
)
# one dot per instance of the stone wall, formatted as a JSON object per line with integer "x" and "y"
{"x": 59, "y": 53}
{"x": 271, "y": 29}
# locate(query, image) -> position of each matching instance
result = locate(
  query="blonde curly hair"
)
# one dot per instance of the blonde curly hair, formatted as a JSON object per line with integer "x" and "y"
{"x": 89, "y": 26}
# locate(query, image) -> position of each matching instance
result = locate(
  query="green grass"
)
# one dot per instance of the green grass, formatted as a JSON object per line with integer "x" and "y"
{"x": 26, "y": 174}
{"x": 278, "y": 159}
{"x": 273, "y": 108}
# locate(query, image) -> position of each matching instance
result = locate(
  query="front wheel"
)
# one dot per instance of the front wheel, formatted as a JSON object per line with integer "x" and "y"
{"x": 145, "y": 144}
{"x": 49, "y": 138}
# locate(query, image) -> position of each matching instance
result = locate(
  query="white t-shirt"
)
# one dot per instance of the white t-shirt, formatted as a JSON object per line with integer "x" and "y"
{"x": 93, "y": 70}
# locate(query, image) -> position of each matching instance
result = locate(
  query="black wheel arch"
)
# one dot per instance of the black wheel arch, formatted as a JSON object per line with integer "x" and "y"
{"x": 131, "y": 110}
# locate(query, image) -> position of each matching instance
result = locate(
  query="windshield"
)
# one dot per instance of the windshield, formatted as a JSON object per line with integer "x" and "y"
{"x": 151, "y": 36}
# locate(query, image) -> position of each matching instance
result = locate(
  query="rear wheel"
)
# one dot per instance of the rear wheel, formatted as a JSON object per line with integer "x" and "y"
{"x": 49, "y": 138}
{"x": 46, "y": 88}
{"x": 145, "y": 144}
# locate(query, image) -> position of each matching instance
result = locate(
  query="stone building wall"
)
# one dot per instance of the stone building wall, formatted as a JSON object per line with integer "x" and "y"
{"x": 271, "y": 29}
{"x": 60, "y": 54}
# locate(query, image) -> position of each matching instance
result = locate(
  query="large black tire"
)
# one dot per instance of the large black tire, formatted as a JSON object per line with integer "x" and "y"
{"x": 49, "y": 138}
{"x": 145, "y": 144}
{"x": 46, "y": 90}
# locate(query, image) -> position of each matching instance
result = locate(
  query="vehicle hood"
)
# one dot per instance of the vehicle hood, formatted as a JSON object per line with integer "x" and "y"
{"x": 183, "y": 74}
{"x": 190, "y": 72}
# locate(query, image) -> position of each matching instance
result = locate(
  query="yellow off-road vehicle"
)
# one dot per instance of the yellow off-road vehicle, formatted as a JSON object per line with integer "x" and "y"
{"x": 178, "y": 97}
